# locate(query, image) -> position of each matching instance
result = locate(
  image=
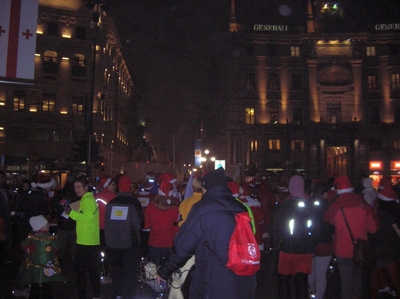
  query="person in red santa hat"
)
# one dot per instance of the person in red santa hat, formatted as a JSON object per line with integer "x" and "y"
{"x": 161, "y": 220}
{"x": 105, "y": 192}
{"x": 246, "y": 196}
{"x": 386, "y": 242}
{"x": 173, "y": 194}
{"x": 38, "y": 197}
{"x": 361, "y": 220}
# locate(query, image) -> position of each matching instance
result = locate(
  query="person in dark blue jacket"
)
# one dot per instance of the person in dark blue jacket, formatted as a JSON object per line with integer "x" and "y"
{"x": 206, "y": 234}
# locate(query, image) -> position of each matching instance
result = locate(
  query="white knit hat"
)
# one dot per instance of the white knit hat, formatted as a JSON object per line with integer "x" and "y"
{"x": 37, "y": 222}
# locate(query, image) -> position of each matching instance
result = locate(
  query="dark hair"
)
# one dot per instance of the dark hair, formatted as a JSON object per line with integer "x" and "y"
{"x": 196, "y": 184}
{"x": 320, "y": 188}
{"x": 83, "y": 180}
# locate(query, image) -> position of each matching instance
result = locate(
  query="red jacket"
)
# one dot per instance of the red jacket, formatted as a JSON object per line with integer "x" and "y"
{"x": 102, "y": 199}
{"x": 360, "y": 217}
{"x": 162, "y": 225}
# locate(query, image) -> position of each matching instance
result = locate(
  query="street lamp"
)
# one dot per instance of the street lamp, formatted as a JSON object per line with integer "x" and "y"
{"x": 206, "y": 152}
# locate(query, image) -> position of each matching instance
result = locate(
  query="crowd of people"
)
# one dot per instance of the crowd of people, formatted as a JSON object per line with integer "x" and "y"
{"x": 176, "y": 223}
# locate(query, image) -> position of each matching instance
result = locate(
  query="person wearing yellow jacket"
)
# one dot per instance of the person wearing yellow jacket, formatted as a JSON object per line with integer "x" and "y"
{"x": 87, "y": 253}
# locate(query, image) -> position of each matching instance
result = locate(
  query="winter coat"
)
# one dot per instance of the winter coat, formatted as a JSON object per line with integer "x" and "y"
{"x": 162, "y": 224}
{"x": 68, "y": 194}
{"x": 385, "y": 241}
{"x": 360, "y": 217}
{"x": 122, "y": 222}
{"x": 102, "y": 198}
{"x": 87, "y": 221}
{"x": 206, "y": 234}
{"x": 41, "y": 263}
{"x": 298, "y": 240}
{"x": 186, "y": 206}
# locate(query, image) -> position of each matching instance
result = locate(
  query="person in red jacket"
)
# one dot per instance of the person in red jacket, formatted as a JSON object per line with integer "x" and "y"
{"x": 161, "y": 219}
{"x": 362, "y": 221}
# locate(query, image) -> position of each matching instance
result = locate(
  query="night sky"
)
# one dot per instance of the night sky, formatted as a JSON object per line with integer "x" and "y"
{"x": 172, "y": 51}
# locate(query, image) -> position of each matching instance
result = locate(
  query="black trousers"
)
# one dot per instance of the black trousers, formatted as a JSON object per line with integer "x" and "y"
{"x": 87, "y": 260}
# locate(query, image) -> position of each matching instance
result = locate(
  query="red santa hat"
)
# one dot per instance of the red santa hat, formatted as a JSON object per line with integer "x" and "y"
{"x": 125, "y": 184}
{"x": 234, "y": 187}
{"x": 254, "y": 182}
{"x": 387, "y": 194}
{"x": 168, "y": 177}
{"x": 104, "y": 182}
{"x": 43, "y": 181}
{"x": 165, "y": 188}
{"x": 342, "y": 185}
{"x": 385, "y": 182}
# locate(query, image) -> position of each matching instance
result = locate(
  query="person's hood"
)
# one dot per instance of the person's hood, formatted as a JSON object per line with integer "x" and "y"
{"x": 367, "y": 183}
{"x": 296, "y": 186}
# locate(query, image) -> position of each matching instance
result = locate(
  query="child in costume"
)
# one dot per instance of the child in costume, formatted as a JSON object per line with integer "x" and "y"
{"x": 41, "y": 266}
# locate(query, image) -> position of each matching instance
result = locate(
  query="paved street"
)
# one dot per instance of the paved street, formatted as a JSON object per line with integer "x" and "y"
{"x": 267, "y": 282}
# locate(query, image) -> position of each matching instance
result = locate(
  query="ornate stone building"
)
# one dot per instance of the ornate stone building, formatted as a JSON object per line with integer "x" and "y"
{"x": 45, "y": 124}
{"x": 317, "y": 94}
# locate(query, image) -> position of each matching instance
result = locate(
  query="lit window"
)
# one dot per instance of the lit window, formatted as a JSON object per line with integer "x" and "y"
{"x": 250, "y": 116}
{"x": 19, "y": 100}
{"x": 253, "y": 146}
{"x": 295, "y": 51}
{"x": 274, "y": 144}
{"x": 395, "y": 81}
{"x": 77, "y": 105}
{"x": 48, "y": 102}
{"x": 371, "y": 51}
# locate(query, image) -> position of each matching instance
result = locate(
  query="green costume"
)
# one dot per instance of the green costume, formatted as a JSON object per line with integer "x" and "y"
{"x": 41, "y": 264}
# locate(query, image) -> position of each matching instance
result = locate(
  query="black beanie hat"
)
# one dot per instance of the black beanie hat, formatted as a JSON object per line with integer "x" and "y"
{"x": 215, "y": 178}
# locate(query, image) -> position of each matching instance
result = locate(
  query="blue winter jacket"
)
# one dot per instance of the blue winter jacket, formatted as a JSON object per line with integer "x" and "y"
{"x": 206, "y": 234}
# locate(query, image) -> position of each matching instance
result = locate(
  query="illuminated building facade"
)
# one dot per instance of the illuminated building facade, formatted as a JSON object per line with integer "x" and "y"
{"x": 44, "y": 123}
{"x": 318, "y": 95}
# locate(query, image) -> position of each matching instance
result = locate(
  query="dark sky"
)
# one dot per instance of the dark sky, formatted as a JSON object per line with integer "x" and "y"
{"x": 167, "y": 46}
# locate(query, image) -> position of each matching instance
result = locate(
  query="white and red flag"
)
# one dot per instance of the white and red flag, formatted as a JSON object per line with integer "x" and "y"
{"x": 18, "y": 22}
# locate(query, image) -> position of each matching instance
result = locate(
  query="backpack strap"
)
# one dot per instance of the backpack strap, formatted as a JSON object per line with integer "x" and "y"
{"x": 253, "y": 224}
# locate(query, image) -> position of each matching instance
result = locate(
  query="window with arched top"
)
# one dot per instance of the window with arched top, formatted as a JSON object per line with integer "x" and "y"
{"x": 78, "y": 65}
{"x": 50, "y": 62}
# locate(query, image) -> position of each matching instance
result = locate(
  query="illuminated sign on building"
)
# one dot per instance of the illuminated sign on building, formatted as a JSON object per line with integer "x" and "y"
{"x": 375, "y": 165}
{"x": 260, "y": 27}
{"x": 395, "y": 165}
{"x": 383, "y": 27}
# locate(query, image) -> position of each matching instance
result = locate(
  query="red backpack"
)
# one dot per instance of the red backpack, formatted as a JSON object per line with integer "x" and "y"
{"x": 243, "y": 254}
